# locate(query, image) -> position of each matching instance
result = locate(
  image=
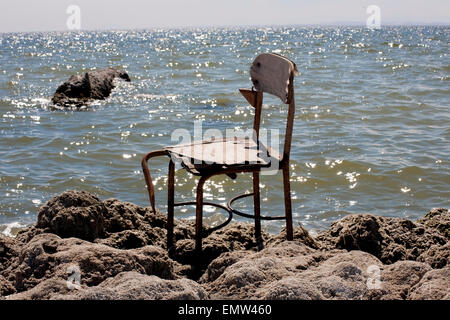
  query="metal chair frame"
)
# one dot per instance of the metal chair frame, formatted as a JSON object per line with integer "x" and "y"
{"x": 255, "y": 98}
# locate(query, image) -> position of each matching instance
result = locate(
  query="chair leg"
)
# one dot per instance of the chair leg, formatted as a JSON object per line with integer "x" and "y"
{"x": 287, "y": 202}
{"x": 148, "y": 178}
{"x": 170, "y": 204}
{"x": 199, "y": 215}
{"x": 257, "y": 209}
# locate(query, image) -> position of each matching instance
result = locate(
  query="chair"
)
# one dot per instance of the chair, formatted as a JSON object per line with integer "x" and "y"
{"x": 270, "y": 73}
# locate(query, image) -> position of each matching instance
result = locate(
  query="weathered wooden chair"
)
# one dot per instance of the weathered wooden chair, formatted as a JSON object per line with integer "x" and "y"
{"x": 270, "y": 73}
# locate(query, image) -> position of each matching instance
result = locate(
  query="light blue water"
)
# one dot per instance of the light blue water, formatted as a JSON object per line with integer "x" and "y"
{"x": 371, "y": 132}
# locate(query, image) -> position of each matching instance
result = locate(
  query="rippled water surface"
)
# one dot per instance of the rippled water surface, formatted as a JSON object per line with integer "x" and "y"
{"x": 371, "y": 128}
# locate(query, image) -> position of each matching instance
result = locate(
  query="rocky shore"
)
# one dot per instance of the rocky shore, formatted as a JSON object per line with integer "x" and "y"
{"x": 117, "y": 251}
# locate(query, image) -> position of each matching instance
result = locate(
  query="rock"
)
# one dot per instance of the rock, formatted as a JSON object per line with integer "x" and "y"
{"x": 434, "y": 285}
{"x": 73, "y": 214}
{"x": 124, "y": 225}
{"x": 122, "y": 216}
{"x": 9, "y": 248}
{"x": 343, "y": 276}
{"x": 129, "y": 285}
{"x": 81, "y": 89}
{"x": 48, "y": 256}
{"x": 119, "y": 251}
{"x": 398, "y": 278}
{"x": 218, "y": 266}
{"x": 234, "y": 237}
{"x": 6, "y": 287}
{"x": 112, "y": 222}
{"x": 136, "y": 286}
{"x": 45, "y": 290}
{"x": 129, "y": 239}
{"x": 361, "y": 259}
{"x": 439, "y": 219}
{"x": 301, "y": 235}
{"x": 437, "y": 256}
{"x": 25, "y": 235}
{"x": 266, "y": 275}
{"x": 290, "y": 288}
{"x": 389, "y": 239}
{"x": 335, "y": 287}
{"x": 237, "y": 236}
{"x": 357, "y": 232}
{"x": 130, "y": 226}
{"x": 240, "y": 280}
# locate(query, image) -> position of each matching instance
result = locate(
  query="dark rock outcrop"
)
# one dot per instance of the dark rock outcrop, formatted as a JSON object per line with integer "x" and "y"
{"x": 389, "y": 239}
{"x": 79, "y": 215}
{"x": 437, "y": 256}
{"x": 237, "y": 236}
{"x": 124, "y": 225}
{"x": 119, "y": 250}
{"x": 438, "y": 219}
{"x": 301, "y": 235}
{"x": 8, "y": 250}
{"x": 81, "y": 89}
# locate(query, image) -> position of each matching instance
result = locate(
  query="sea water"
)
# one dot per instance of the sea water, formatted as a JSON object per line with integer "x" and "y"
{"x": 371, "y": 134}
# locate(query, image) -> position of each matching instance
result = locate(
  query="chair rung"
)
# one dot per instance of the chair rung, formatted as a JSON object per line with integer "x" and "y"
{"x": 246, "y": 215}
{"x": 207, "y": 232}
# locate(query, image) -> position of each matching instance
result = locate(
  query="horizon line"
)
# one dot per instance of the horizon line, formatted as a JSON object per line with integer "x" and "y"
{"x": 332, "y": 24}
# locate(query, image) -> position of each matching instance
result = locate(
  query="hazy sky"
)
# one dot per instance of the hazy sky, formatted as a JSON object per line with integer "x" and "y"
{"x": 46, "y": 15}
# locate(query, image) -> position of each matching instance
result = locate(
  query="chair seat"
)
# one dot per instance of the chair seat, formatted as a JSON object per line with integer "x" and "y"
{"x": 205, "y": 156}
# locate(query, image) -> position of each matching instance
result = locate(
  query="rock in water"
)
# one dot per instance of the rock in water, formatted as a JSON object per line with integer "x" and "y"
{"x": 80, "y": 89}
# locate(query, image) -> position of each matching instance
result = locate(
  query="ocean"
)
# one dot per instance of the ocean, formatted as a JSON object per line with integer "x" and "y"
{"x": 371, "y": 133}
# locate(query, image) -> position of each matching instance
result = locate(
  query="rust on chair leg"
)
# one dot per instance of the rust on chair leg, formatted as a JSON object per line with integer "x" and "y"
{"x": 170, "y": 204}
{"x": 287, "y": 201}
{"x": 257, "y": 209}
{"x": 148, "y": 178}
{"x": 199, "y": 215}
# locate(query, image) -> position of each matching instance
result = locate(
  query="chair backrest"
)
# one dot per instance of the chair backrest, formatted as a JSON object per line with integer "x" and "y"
{"x": 274, "y": 74}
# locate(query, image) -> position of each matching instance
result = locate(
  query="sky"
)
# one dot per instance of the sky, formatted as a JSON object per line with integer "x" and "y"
{"x": 51, "y": 15}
